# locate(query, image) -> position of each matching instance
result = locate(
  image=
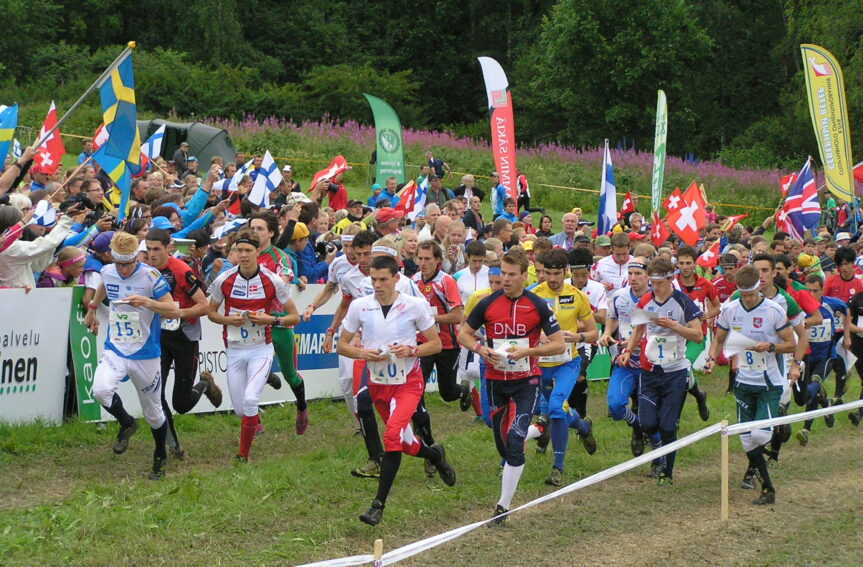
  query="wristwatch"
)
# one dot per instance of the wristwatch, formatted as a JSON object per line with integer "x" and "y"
{"x": 772, "y": 348}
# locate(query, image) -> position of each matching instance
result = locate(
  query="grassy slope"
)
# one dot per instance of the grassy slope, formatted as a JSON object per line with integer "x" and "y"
{"x": 66, "y": 500}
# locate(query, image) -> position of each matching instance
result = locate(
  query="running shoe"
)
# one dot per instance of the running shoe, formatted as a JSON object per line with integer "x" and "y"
{"x": 543, "y": 440}
{"x": 176, "y": 452}
{"x": 588, "y": 439}
{"x": 302, "y": 423}
{"x": 498, "y": 520}
{"x": 703, "y": 410}
{"x": 664, "y": 480}
{"x": 444, "y": 469}
{"x": 748, "y": 480}
{"x": 123, "y": 436}
{"x": 259, "y": 429}
{"x": 373, "y": 515}
{"x": 274, "y": 381}
{"x": 372, "y": 469}
{"x": 464, "y": 402}
{"x": 772, "y": 462}
{"x": 803, "y": 437}
{"x": 854, "y": 417}
{"x": 656, "y": 467}
{"x": 829, "y": 419}
{"x": 213, "y": 392}
{"x": 240, "y": 460}
{"x": 767, "y": 496}
{"x": 636, "y": 443}
{"x": 555, "y": 477}
{"x": 158, "y": 471}
{"x": 837, "y": 401}
{"x": 429, "y": 468}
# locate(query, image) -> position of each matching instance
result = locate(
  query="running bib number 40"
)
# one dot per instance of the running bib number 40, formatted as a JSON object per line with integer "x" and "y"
{"x": 751, "y": 360}
{"x": 388, "y": 372}
{"x": 125, "y": 327}
{"x": 661, "y": 350}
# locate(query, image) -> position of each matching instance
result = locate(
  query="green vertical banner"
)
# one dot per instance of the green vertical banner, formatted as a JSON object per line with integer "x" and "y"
{"x": 84, "y": 361}
{"x": 388, "y": 132}
{"x": 659, "y": 150}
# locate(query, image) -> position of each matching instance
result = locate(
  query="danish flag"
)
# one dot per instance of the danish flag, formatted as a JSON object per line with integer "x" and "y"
{"x": 51, "y": 150}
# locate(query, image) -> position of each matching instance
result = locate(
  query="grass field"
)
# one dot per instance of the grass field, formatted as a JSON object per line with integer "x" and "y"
{"x": 67, "y": 500}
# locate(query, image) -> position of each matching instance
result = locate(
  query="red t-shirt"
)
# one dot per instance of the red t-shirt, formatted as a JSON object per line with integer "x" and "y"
{"x": 843, "y": 290}
{"x": 700, "y": 292}
{"x": 338, "y": 196}
{"x": 724, "y": 288}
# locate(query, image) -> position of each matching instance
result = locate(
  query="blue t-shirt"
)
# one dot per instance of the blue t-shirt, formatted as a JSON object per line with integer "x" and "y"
{"x": 821, "y": 346}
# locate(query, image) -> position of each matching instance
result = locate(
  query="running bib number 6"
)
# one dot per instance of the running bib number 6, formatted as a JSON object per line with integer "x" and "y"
{"x": 661, "y": 350}
{"x": 247, "y": 333}
{"x": 751, "y": 360}
{"x": 125, "y": 327}
{"x": 388, "y": 372}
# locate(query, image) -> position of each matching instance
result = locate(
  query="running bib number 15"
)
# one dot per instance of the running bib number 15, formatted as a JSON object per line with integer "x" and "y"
{"x": 125, "y": 327}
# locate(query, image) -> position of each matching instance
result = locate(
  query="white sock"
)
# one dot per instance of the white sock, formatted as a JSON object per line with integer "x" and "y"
{"x": 508, "y": 484}
{"x": 532, "y": 432}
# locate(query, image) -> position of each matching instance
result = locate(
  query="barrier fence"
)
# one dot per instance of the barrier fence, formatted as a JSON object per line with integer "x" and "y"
{"x": 723, "y": 428}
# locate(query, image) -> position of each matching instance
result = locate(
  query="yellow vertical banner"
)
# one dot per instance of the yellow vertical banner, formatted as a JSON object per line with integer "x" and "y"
{"x": 828, "y": 109}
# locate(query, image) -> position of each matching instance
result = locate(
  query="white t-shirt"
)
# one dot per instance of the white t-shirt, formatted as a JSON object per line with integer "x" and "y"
{"x": 606, "y": 270}
{"x": 762, "y": 324}
{"x": 338, "y": 268}
{"x": 133, "y": 332}
{"x": 469, "y": 282}
{"x": 354, "y": 283}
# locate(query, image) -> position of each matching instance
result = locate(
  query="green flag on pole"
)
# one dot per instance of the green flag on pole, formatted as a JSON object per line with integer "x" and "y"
{"x": 659, "y": 150}
{"x": 390, "y": 160}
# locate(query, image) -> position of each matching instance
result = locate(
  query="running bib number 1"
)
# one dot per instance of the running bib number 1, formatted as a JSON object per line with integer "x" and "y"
{"x": 661, "y": 350}
{"x": 388, "y": 372}
{"x": 125, "y": 327}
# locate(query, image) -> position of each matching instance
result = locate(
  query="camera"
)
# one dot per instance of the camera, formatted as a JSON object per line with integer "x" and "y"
{"x": 323, "y": 248}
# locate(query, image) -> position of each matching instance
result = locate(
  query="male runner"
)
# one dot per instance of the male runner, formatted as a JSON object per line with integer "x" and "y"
{"x": 725, "y": 286}
{"x": 559, "y": 372}
{"x": 759, "y": 381}
{"x": 469, "y": 280}
{"x": 180, "y": 336}
{"x": 843, "y": 285}
{"x": 513, "y": 319}
{"x": 138, "y": 295}
{"x": 675, "y": 319}
{"x": 247, "y": 292}
{"x": 611, "y": 270}
{"x": 580, "y": 260}
{"x": 389, "y": 321}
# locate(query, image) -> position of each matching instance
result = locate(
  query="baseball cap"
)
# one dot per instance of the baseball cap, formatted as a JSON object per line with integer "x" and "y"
{"x": 102, "y": 242}
{"x": 161, "y": 222}
{"x": 527, "y": 245}
{"x": 494, "y": 174}
{"x": 636, "y": 236}
{"x": 354, "y": 203}
{"x": 387, "y": 214}
{"x": 191, "y": 158}
{"x": 300, "y": 231}
{"x": 186, "y": 144}
{"x": 602, "y": 240}
{"x": 581, "y": 238}
{"x": 376, "y": 186}
{"x": 523, "y": 214}
{"x": 287, "y": 168}
{"x": 585, "y": 223}
{"x": 842, "y": 236}
{"x": 177, "y": 184}
{"x": 434, "y": 176}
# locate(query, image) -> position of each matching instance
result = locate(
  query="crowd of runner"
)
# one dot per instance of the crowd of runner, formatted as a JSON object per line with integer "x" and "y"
{"x": 506, "y": 312}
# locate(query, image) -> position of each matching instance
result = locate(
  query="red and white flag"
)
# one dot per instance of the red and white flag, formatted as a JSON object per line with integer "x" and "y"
{"x": 729, "y": 222}
{"x": 674, "y": 201}
{"x": 100, "y": 136}
{"x": 786, "y": 182}
{"x": 406, "y": 198}
{"x": 338, "y": 165}
{"x": 690, "y": 216}
{"x": 658, "y": 232}
{"x": 627, "y": 206}
{"x": 51, "y": 150}
{"x": 710, "y": 257}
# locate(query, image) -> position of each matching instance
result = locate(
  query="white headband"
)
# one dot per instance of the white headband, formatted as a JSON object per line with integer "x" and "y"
{"x": 658, "y": 277}
{"x": 348, "y": 237}
{"x": 124, "y": 257}
{"x": 384, "y": 249}
{"x": 753, "y": 288}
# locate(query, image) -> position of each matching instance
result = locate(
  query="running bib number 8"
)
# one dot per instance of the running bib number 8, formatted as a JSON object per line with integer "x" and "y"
{"x": 125, "y": 327}
{"x": 388, "y": 372}
{"x": 661, "y": 350}
{"x": 751, "y": 360}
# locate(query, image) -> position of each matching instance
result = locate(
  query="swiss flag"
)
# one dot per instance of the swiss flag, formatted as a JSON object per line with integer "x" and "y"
{"x": 689, "y": 217}
{"x": 51, "y": 150}
{"x": 658, "y": 232}
{"x": 406, "y": 198}
{"x": 626, "y": 206}
{"x": 100, "y": 136}
{"x": 338, "y": 165}
{"x": 788, "y": 180}
{"x": 710, "y": 258}
{"x": 729, "y": 222}
{"x": 673, "y": 201}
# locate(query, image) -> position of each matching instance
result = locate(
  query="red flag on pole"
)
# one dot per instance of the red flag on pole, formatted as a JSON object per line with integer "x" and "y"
{"x": 338, "y": 165}
{"x": 729, "y": 222}
{"x": 100, "y": 136}
{"x": 627, "y": 206}
{"x": 787, "y": 181}
{"x": 406, "y": 198}
{"x": 710, "y": 258}
{"x": 51, "y": 150}
{"x": 689, "y": 217}
{"x": 658, "y": 232}
{"x": 674, "y": 201}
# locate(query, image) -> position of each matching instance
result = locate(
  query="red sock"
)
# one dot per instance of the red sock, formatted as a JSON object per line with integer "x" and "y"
{"x": 474, "y": 401}
{"x": 247, "y": 434}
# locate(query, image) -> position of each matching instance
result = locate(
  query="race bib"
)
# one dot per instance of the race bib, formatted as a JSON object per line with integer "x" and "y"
{"x": 248, "y": 333}
{"x": 171, "y": 324}
{"x": 502, "y": 346}
{"x": 390, "y": 372}
{"x": 125, "y": 327}
{"x": 566, "y": 356}
{"x": 751, "y": 360}
{"x": 820, "y": 334}
{"x": 662, "y": 350}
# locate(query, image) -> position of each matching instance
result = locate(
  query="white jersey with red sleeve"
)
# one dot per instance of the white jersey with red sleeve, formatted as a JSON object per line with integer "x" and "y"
{"x": 354, "y": 284}
{"x": 608, "y": 271}
{"x": 239, "y": 294}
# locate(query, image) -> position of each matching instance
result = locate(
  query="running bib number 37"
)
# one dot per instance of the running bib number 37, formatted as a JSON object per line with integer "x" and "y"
{"x": 661, "y": 350}
{"x": 388, "y": 372}
{"x": 125, "y": 327}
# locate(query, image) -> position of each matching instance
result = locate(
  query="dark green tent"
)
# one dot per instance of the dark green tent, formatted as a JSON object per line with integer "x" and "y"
{"x": 204, "y": 141}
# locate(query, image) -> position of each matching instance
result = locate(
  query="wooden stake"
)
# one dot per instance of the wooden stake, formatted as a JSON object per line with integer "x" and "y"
{"x": 379, "y": 552}
{"x": 723, "y": 509}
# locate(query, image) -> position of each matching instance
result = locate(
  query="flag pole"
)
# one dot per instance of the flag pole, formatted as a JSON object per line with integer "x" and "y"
{"x": 105, "y": 74}
{"x": 72, "y": 176}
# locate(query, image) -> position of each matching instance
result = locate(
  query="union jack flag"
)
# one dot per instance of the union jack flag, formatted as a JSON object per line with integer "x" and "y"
{"x": 800, "y": 211}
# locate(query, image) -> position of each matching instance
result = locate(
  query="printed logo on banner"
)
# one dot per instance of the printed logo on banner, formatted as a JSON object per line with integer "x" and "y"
{"x": 499, "y": 98}
{"x": 389, "y": 140}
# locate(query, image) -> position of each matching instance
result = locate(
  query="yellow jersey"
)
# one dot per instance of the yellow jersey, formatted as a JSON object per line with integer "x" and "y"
{"x": 570, "y": 305}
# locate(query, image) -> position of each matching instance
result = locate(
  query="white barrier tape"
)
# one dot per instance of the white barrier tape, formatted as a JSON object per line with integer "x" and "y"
{"x": 412, "y": 549}
{"x": 747, "y": 426}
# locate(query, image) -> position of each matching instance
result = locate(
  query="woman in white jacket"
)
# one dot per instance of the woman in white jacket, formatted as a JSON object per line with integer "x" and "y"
{"x": 21, "y": 259}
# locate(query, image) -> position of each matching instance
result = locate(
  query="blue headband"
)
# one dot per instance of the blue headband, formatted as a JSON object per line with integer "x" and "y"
{"x": 495, "y": 271}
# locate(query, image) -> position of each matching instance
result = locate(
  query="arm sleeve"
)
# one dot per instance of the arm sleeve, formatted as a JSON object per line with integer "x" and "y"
{"x": 351, "y": 322}
{"x": 160, "y": 286}
{"x": 690, "y": 309}
{"x": 723, "y": 321}
{"x": 476, "y": 319}
{"x": 585, "y": 311}
{"x": 425, "y": 319}
{"x": 194, "y": 207}
{"x": 216, "y": 288}
{"x": 453, "y": 297}
{"x": 283, "y": 290}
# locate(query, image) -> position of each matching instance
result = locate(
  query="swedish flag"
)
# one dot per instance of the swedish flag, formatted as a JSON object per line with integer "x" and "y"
{"x": 8, "y": 122}
{"x": 120, "y": 155}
